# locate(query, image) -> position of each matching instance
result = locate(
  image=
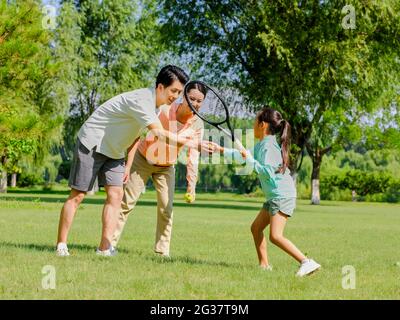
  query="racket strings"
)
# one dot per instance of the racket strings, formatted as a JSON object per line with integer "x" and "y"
{"x": 212, "y": 108}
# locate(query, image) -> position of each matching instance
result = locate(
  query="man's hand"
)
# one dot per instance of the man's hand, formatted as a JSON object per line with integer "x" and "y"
{"x": 211, "y": 147}
{"x": 127, "y": 174}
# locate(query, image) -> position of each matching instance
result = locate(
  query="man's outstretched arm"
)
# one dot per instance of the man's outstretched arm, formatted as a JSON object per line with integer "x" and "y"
{"x": 174, "y": 139}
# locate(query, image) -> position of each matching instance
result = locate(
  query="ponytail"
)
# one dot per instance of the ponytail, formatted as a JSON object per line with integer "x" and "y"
{"x": 285, "y": 144}
{"x": 277, "y": 125}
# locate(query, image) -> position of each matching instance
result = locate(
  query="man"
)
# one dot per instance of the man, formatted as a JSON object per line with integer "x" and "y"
{"x": 101, "y": 145}
{"x": 153, "y": 158}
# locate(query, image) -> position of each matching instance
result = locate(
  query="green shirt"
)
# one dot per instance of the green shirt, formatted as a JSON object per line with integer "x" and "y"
{"x": 266, "y": 161}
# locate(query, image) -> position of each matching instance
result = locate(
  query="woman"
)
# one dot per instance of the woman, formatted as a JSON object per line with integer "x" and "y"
{"x": 154, "y": 158}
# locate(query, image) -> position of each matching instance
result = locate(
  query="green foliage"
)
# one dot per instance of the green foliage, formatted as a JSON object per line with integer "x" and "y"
{"x": 377, "y": 165}
{"x": 296, "y": 56}
{"x": 361, "y": 182}
{"x": 29, "y": 180}
{"x": 108, "y": 47}
{"x": 245, "y": 183}
{"x": 32, "y": 100}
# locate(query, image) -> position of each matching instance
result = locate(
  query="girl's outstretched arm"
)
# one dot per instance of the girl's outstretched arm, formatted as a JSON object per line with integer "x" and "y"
{"x": 241, "y": 157}
{"x": 261, "y": 168}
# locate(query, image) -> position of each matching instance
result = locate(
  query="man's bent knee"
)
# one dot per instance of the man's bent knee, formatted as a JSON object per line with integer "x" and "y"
{"x": 115, "y": 195}
{"x": 76, "y": 196}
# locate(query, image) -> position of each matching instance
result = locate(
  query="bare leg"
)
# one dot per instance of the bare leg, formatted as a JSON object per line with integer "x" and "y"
{"x": 257, "y": 229}
{"x": 68, "y": 213}
{"x": 111, "y": 211}
{"x": 278, "y": 223}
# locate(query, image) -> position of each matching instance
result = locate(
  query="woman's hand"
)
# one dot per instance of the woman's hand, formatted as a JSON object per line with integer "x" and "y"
{"x": 190, "y": 197}
{"x": 127, "y": 174}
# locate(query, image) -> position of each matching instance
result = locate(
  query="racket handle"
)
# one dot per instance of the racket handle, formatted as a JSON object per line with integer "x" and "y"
{"x": 236, "y": 141}
{"x": 239, "y": 144}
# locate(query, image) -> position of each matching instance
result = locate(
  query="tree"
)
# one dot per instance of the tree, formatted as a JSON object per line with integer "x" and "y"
{"x": 109, "y": 47}
{"x": 295, "y": 56}
{"x": 31, "y": 103}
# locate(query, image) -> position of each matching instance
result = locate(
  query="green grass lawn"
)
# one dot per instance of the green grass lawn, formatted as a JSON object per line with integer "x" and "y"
{"x": 213, "y": 256}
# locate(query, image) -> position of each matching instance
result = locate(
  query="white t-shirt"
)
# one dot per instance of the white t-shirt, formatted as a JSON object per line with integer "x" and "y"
{"x": 115, "y": 125}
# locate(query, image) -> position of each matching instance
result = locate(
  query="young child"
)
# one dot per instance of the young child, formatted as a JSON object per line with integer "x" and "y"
{"x": 270, "y": 161}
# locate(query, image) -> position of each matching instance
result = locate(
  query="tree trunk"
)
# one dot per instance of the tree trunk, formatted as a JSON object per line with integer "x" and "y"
{"x": 3, "y": 182}
{"x": 13, "y": 180}
{"x": 316, "y": 155}
{"x": 353, "y": 195}
{"x": 315, "y": 195}
{"x": 95, "y": 188}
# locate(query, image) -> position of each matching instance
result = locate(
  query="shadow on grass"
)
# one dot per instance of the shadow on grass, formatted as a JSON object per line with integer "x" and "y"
{"x": 192, "y": 261}
{"x": 50, "y": 248}
{"x": 149, "y": 203}
{"x": 64, "y": 192}
{"x": 89, "y": 248}
{"x": 44, "y": 247}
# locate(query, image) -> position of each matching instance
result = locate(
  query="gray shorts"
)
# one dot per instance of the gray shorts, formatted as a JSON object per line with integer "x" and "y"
{"x": 89, "y": 164}
{"x": 284, "y": 205}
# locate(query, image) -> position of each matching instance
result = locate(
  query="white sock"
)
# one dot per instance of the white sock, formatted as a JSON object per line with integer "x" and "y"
{"x": 305, "y": 261}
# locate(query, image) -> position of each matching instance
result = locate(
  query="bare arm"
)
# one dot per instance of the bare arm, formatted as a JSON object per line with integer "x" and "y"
{"x": 192, "y": 165}
{"x": 174, "y": 139}
{"x": 131, "y": 154}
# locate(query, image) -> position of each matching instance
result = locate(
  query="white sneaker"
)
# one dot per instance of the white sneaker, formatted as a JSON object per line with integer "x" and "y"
{"x": 307, "y": 267}
{"x": 62, "y": 250}
{"x": 110, "y": 252}
{"x": 266, "y": 268}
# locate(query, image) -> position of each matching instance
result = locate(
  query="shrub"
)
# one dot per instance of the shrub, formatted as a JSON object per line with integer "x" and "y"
{"x": 370, "y": 186}
{"x": 29, "y": 180}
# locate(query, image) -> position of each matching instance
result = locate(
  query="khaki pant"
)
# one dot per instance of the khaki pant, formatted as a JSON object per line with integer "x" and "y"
{"x": 164, "y": 182}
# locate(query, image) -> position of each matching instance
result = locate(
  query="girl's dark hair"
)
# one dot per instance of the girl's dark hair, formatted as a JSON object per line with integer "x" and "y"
{"x": 278, "y": 125}
{"x": 198, "y": 86}
{"x": 169, "y": 74}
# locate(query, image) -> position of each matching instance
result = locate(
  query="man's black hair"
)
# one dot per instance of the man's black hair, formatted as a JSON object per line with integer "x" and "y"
{"x": 169, "y": 74}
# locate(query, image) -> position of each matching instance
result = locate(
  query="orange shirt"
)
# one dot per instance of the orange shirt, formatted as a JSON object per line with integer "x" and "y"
{"x": 160, "y": 153}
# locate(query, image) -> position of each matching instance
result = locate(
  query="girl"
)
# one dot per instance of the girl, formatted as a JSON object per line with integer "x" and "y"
{"x": 271, "y": 161}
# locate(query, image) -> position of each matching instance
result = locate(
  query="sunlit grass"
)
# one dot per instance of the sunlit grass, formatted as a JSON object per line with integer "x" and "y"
{"x": 213, "y": 255}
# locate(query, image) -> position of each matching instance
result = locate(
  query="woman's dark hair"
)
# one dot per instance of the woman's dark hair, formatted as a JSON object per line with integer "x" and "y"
{"x": 198, "y": 86}
{"x": 278, "y": 125}
{"x": 169, "y": 74}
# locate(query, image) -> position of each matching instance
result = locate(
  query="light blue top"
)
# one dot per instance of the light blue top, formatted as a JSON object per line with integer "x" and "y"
{"x": 266, "y": 161}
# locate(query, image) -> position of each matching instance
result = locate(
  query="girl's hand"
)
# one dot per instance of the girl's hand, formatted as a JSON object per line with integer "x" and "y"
{"x": 243, "y": 152}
